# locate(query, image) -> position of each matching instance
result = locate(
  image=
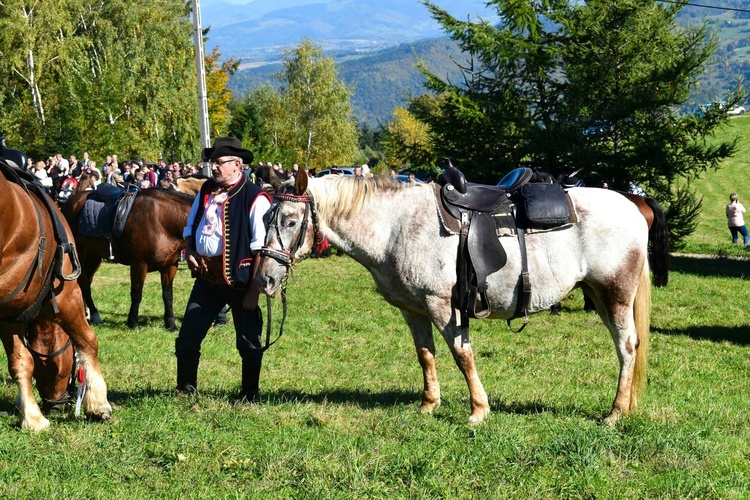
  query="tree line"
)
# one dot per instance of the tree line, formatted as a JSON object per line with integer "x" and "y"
{"x": 555, "y": 85}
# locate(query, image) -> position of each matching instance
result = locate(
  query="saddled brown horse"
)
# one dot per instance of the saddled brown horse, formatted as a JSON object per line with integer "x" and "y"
{"x": 37, "y": 268}
{"x": 151, "y": 241}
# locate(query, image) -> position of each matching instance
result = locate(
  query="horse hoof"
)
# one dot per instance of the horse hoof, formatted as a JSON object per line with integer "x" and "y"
{"x": 132, "y": 326}
{"x": 96, "y": 320}
{"x": 36, "y": 425}
{"x": 478, "y": 418}
{"x": 105, "y": 416}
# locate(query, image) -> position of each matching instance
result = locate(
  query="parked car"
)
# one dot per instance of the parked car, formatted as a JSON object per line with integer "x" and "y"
{"x": 405, "y": 178}
{"x": 739, "y": 110}
{"x": 336, "y": 171}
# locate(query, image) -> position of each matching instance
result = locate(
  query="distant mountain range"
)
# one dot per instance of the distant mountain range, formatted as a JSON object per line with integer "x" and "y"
{"x": 259, "y": 30}
{"x": 380, "y": 81}
{"x": 377, "y": 44}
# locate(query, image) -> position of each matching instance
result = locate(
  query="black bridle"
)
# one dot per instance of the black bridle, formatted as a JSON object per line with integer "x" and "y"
{"x": 284, "y": 255}
{"x": 56, "y": 405}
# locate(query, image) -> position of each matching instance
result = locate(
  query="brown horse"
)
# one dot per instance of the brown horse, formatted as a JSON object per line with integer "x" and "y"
{"x": 54, "y": 361}
{"x": 658, "y": 236}
{"x": 151, "y": 241}
{"x": 36, "y": 285}
{"x": 190, "y": 185}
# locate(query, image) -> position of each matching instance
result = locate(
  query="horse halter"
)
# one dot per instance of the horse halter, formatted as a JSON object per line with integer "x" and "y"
{"x": 284, "y": 255}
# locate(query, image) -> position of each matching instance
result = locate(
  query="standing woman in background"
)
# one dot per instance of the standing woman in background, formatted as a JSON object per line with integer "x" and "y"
{"x": 735, "y": 221}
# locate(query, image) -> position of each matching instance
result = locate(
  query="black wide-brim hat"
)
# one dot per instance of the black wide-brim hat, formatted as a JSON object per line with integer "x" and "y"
{"x": 228, "y": 146}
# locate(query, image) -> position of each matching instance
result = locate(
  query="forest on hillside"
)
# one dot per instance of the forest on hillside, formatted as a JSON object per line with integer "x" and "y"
{"x": 382, "y": 81}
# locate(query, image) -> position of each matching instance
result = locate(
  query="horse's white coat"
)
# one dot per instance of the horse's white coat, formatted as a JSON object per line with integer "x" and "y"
{"x": 394, "y": 231}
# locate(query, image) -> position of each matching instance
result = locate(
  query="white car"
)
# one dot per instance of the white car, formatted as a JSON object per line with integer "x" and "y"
{"x": 346, "y": 171}
{"x": 739, "y": 110}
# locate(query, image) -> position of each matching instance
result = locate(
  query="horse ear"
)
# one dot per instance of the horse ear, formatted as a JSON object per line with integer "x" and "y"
{"x": 300, "y": 182}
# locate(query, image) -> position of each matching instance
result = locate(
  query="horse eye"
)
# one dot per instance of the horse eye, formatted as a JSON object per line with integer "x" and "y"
{"x": 290, "y": 223}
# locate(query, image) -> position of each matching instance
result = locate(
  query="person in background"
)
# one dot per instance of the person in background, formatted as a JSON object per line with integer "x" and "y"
{"x": 735, "y": 219}
{"x": 634, "y": 188}
{"x": 224, "y": 232}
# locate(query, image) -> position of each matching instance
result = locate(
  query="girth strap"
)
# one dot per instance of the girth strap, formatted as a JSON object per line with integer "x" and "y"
{"x": 524, "y": 285}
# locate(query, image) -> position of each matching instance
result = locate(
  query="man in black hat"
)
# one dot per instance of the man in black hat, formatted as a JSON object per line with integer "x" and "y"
{"x": 224, "y": 232}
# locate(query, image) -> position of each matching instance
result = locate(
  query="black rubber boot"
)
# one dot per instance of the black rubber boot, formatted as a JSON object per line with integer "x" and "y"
{"x": 187, "y": 377}
{"x": 250, "y": 381}
{"x": 221, "y": 318}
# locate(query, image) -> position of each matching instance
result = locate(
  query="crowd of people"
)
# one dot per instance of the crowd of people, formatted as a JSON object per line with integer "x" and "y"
{"x": 60, "y": 175}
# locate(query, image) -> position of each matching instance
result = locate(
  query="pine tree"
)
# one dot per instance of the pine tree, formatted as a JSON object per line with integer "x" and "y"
{"x": 594, "y": 85}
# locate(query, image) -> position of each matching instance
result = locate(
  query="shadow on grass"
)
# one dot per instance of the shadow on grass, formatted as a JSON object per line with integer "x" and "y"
{"x": 738, "y": 335}
{"x": 716, "y": 267}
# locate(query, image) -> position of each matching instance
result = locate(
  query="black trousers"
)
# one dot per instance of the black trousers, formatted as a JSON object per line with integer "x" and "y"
{"x": 205, "y": 302}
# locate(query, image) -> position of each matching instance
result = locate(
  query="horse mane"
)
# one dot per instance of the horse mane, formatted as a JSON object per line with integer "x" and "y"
{"x": 339, "y": 196}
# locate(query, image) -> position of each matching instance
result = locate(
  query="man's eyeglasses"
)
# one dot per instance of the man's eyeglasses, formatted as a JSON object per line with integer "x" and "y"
{"x": 220, "y": 163}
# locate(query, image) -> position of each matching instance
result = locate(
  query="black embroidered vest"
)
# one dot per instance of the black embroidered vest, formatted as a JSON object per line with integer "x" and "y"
{"x": 235, "y": 212}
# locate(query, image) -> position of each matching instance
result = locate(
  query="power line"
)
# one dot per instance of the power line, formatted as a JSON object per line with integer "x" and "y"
{"x": 687, "y": 4}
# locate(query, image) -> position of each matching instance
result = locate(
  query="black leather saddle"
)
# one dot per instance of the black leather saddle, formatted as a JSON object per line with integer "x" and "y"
{"x": 106, "y": 211}
{"x": 477, "y": 207}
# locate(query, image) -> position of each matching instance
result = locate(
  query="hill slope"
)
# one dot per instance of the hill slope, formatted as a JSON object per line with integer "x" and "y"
{"x": 712, "y": 235}
{"x": 380, "y": 82}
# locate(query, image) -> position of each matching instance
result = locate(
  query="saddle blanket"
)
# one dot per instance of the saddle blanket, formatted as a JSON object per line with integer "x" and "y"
{"x": 104, "y": 219}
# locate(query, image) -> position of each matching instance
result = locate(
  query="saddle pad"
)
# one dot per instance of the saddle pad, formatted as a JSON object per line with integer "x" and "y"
{"x": 545, "y": 205}
{"x": 96, "y": 218}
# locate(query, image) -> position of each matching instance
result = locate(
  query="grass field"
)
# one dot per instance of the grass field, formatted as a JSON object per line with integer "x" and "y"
{"x": 712, "y": 235}
{"x": 339, "y": 393}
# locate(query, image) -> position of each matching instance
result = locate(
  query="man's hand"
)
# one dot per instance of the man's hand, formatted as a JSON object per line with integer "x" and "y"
{"x": 250, "y": 300}
{"x": 193, "y": 260}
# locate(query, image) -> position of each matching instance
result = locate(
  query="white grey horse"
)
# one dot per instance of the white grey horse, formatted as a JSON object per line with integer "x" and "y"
{"x": 394, "y": 230}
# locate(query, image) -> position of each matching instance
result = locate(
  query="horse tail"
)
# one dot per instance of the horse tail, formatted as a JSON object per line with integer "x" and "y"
{"x": 658, "y": 237}
{"x": 642, "y": 315}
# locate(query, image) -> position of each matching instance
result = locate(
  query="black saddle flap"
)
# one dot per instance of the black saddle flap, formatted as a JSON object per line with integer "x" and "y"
{"x": 545, "y": 205}
{"x": 486, "y": 253}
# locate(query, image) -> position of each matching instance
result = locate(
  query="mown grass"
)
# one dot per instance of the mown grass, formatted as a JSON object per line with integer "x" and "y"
{"x": 712, "y": 235}
{"x": 340, "y": 391}
{"x": 338, "y": 418}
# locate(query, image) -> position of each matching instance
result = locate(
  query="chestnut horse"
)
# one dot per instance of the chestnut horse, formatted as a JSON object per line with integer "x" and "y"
{"x": 37, "y": 285}
{"x": 151, "y": 241}
{"x": 54, "y": 362}
{"x": 658, "y": 236}
{"x": 394, "y": 230}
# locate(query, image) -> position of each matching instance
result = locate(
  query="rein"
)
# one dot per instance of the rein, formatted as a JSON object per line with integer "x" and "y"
{"x": 286, "y": 256}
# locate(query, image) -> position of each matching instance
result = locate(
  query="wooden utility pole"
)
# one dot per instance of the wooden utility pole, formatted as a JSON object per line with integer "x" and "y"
{"x": 201, "y": 73}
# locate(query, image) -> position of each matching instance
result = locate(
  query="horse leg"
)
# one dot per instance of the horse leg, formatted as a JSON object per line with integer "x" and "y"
{"x": 167, "y": 280}
{"x": 72, "y": 319}
{"x": 89, "y": 265}
{"x": 421, "y": 331}
{"x": 625, "y": 309}
{"x": 21, "y": 368}
{"x": 443, "y": 316}
{"x": 138, "y": 272}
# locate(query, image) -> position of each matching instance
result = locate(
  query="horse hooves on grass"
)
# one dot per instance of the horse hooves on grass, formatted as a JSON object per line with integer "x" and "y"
{"x": 99, "y": 417}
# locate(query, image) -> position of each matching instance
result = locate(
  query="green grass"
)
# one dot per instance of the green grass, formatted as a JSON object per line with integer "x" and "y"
{"x": 712, "y": 235}
{"x": 340, "y": 391}
{"x": 339, "y": 394}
